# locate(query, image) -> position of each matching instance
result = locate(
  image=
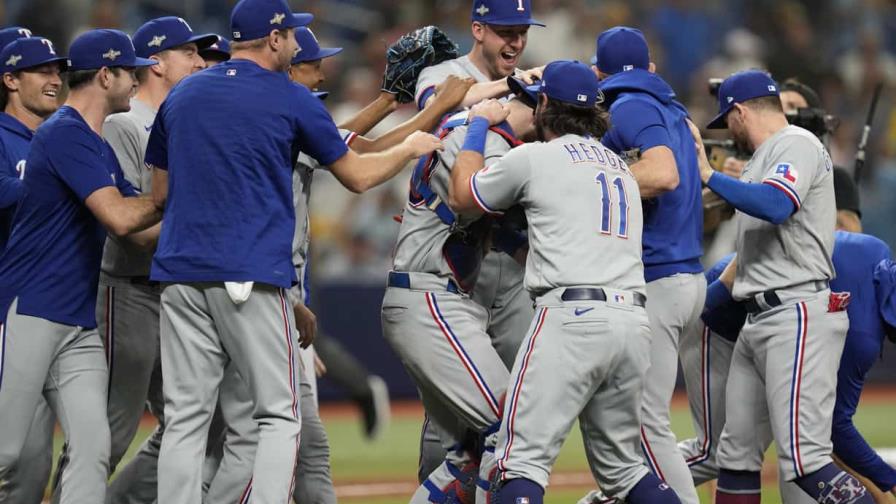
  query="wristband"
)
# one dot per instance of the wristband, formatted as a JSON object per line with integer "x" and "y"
{"x": 476, "y": 133}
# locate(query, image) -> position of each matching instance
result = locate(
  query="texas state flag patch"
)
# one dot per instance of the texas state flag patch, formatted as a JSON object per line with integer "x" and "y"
{"x": 787, "y": 172}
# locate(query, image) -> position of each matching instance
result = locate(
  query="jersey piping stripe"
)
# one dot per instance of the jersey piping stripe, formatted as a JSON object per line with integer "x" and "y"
{"x": 244, "y": 499}
{"x": 802, "y": 325}
{"x": 703, "y": 455}
{"x": 485, "y": 208}
{"x": 517, "y": 388}
{"x": 2, "y": 351}
{"x": 648, "y": 454}
{"x": 292, "y": 384}
{"x": 108, "y": 336}
{"x": 786, "y": 189}
{"x": 468, "y": 363}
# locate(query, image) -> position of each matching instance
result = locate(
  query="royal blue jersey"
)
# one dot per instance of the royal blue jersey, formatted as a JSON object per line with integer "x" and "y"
{"x": 229, "y": 137}
{"x": 644, "y": 114}
{"x": 15, "y": 140}
{"x": 52, "y": 260}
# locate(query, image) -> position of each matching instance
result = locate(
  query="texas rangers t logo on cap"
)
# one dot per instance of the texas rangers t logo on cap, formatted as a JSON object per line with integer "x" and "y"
{"x": 111, "y": 54}
{"x": 278, "y": 18}
{"x": 49, "y": 45}
{"x": 14, "y": 60}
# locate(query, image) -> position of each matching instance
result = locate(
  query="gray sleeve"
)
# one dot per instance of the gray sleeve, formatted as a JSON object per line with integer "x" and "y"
{"x": 500, "y": 185}
{"x": 794, "y": 165}
{"x": 429, "y": 78}
{"x": 125, "y": 141}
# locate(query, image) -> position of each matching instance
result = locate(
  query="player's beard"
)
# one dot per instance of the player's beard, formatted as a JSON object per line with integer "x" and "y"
{"x": 539, "y": 128}
{"x": 741, "y": 140}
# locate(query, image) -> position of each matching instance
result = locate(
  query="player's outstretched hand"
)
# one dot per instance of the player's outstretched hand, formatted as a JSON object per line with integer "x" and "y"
{"x": 705, "y": 168}
{"x": 422, "y": 143}
{"x": 451, "y": 92}
{"x": 306, "y": 323}
{"x": 531, "y": 75}
{"x": 491, "y": 109}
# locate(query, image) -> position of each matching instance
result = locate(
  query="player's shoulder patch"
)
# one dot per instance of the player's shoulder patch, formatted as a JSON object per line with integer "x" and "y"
{"x": 784, "y": 171}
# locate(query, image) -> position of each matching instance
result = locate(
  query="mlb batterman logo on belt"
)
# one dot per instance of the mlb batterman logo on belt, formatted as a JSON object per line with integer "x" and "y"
{"x": 254, "y": 19}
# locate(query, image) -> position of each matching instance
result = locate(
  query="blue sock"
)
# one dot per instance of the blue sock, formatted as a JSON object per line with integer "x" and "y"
{"x": 521, "y": 491}
{"x": 651, "y": 490}
{"x": 738, "y": 487}
{"x": 832, "y": 484}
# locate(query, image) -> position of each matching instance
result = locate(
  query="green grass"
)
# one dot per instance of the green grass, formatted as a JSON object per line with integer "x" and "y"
{"x": 393, "y": 457}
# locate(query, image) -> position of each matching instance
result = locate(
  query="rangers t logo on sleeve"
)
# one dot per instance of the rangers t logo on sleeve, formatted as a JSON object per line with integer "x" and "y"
{"x": 787, "y": 171}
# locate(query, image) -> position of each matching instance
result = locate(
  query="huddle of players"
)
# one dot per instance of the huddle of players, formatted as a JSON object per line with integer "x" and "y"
{"x": 453, "y": 311}
{"x": 494, "y": 428}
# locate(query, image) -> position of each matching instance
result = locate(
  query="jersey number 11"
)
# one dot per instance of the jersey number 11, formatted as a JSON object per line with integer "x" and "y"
{"x": 606, "y": 218}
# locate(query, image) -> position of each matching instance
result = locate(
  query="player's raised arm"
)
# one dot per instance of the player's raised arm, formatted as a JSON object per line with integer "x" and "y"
{"x": 448, "y": 97}
{"x": 360, "y": 172}
{"x": 470, "y": 160}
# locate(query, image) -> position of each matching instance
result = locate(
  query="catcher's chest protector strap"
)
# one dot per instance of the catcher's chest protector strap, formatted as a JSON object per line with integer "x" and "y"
{"x": 422, "y": 194}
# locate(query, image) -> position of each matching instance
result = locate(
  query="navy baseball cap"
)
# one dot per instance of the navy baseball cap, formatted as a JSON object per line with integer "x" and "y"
{"x": 96, "y": 49}
{"x": 568, "y": 81}
{"x": 254, "y": 19}
{"x": 309, "y": 47}
{"x": 621, "y": 49}
{"x": 163, "y": 33}
{"x": 11, "y": 33}
{"x": 740, "y": 87}
{"x": 220, "y": 47}
{"x": 504, "y": 12}
{"x": 28, "y": 53}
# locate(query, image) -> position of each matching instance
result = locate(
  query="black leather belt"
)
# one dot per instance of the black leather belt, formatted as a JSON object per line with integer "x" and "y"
{"x": 403, "y": 281}
{"x": 143, "y": 280}
{"x": 598, "y": 294}
{"x": 771, "y": 300}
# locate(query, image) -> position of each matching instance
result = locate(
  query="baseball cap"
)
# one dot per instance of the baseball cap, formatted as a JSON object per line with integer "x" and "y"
{"x": 740, "y": 87}
{"x": 104, "y": 48}
{"x": 27, "y": 53}
{"x": 620, "y": 49}
{"x": 11, "y": 33}
{"x": 220, "y": 47}
{"x": 504, "y": 12}
{"x": 309, "y": 47}
{"x": 254, "y": 19}
{"x": 166, "y": 32}
{"x": 568, "y": 81}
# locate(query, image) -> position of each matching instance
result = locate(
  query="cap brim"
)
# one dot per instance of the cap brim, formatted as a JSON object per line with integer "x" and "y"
{"x": 526, "y": 93}
{"x": 323, "y": 52}
{"x": 63, "y": 62}
{"x": 300, "y": 19}
{"x": 204, "y": 53}
{"x": 514, "y": 21}
{"x": 719, "y": 121}
{"x": 141, "y": 62}
{"x": 321, "y": 94}
{"x": 203, "y": 41}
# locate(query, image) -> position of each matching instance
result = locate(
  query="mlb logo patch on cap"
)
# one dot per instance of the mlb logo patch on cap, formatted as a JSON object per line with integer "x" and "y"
{"x": 522, "y": 500}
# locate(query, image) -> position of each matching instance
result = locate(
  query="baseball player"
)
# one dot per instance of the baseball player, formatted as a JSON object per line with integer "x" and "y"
{"x": 436, "y": 327}
{"x": 585, "y": 272}
{"x": 74, "y": 188}
{"x": 28, "y": 97}
{"x": 782, "y": 368}
{"x": 218, "y": 52}
{"x": 225, "y": 253}
{"x": 127, "y": 309}
{"x": 312, "y": 481}
{"x": 649, "y": 128}
{"x": 864, "y": 269}
{"x": 499, "y": 29}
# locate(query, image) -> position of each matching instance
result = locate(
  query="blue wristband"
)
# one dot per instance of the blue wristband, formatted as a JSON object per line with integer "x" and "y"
{"x": 476, "y": 133}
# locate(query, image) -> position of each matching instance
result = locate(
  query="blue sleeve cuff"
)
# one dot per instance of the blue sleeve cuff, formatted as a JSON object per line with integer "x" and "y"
{"x": 762, "y": 201}
{"x": 476, "y": 134}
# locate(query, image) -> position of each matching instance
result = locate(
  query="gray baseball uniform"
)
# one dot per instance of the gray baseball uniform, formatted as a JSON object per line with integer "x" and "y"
{"x": 439, "y": 331}
{"x": 584, "y": 269}
{"x": 128, "y": 322}
{"x": 313, "y": 482}
{"x": 500, "y": 289}
{"x": 785, "y": 360}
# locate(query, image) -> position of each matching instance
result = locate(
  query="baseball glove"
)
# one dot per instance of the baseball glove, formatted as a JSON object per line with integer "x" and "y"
{"x": 410, "y": 54}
